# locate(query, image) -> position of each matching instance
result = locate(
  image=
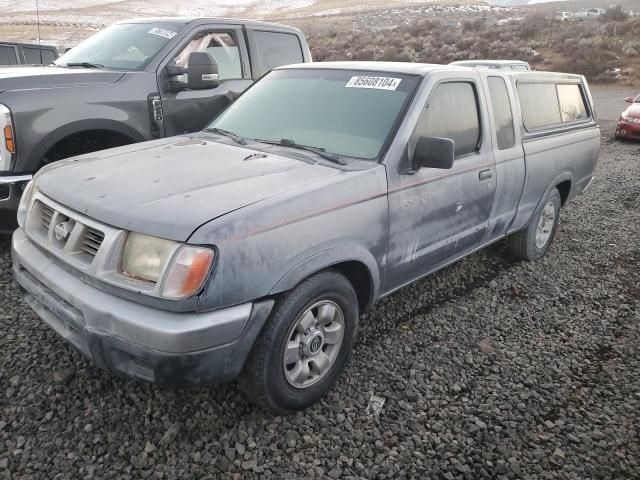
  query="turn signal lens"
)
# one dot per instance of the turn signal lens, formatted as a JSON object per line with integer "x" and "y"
{"x": 187, "y": 272}
{"x": 9, "y": 142}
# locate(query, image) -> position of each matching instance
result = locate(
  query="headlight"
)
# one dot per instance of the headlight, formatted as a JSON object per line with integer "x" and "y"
{"x": 181, "y": 270}
{"x": 631, "y": 119}
{"x": 25, "y": 203}
{"x": 145, "y": 257}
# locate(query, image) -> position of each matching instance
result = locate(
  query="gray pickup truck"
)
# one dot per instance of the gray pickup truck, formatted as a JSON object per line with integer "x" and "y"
{"x": 133, "y": 81}
{"x": 251, "y": 248}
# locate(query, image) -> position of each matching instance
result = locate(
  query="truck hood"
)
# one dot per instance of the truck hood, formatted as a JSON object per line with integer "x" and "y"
{"x": 170, "y": 187}
{"x": 30, "y": 77}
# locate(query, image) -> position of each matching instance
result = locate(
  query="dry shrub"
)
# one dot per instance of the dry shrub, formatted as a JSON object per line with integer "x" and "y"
{"x": 586, "y": 47}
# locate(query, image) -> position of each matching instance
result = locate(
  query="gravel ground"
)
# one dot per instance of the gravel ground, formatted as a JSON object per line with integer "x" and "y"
{"x": 489, "y": 369}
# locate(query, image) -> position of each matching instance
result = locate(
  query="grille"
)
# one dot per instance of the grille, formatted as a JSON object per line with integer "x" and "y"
{"x": 91, "y": 241}
{"x": 46, "y": 215}
{"x": 64, "y": 232}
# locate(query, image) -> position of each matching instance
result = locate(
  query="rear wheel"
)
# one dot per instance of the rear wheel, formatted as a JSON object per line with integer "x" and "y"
{"x": 534, "y": 241}
{"x": 304, "y": 345}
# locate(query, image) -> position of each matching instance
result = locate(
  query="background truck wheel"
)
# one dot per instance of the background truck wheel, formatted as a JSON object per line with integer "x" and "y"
{"x": 533, "y": 242}
{"x": 304, "y": 345}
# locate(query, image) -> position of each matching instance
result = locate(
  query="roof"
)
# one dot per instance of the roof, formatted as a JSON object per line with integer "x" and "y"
{"x": 489, "y": 62}
{"x": 393, "y": 67}
{"x": 218, "y": 20}
{"x": 424, "y": 69}
{"x": 33, "y": 45}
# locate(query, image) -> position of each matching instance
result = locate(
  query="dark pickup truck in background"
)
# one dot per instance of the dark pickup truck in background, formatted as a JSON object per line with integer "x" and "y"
{"x": 26, "y": 54}
{"x": 134, "y": 81}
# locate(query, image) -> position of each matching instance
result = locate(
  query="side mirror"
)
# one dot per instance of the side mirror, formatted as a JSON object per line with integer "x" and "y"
{"x": 202, "y": 71}
{"x": 629, "y": 99}
{"x": 433, "y": 152}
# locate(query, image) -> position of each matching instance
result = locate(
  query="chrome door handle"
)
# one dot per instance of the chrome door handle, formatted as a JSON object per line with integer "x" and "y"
{"x": 485, "y": 175}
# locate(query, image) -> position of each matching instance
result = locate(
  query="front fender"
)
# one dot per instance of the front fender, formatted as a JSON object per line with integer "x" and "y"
{"x": 329, "y": 258}
{"x": 64, "y": 131}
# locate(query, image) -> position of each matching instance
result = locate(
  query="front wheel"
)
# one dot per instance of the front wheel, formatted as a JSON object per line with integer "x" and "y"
{"x": 304, "y": 345}
{"x": 533, "y": 242}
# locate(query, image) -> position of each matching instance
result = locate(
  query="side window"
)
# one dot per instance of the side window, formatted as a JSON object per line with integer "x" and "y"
{"x": 539, "y": 102}
{"x": 572, "y": 106}
{"x": 32, "y": 56}
{"x": 8, "y": 55}
{"x": 276, "y": 49}
{"x": 48, "y": 56}
{"x": 452, "y": 112}
{"x": 224, "y": 48}
{"x": 502, "y": 113}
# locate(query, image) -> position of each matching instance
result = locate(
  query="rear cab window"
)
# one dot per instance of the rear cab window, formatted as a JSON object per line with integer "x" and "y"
{"x": 547, "y": 104}
{"x": 275, "y": 49}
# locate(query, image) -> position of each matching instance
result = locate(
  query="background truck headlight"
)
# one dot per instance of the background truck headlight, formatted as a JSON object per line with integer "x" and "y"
{"x": 7, "y": 140}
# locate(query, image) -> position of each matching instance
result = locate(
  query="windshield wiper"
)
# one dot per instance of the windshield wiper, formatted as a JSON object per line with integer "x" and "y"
{"x": 233, "y": 136}
{"x": 81, "y": 64}
{"x": 321, "y": 152}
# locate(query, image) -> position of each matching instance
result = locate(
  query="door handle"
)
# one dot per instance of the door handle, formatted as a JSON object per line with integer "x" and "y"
{"x": 485, "y": 175}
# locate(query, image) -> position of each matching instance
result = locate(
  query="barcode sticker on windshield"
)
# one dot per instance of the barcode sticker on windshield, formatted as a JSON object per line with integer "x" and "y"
{"x": 161, "y": 32}
{"x": 380, "y": 83}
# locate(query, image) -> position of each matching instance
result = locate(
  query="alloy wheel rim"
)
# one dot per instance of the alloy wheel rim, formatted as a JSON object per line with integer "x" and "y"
{"x": 545, "y": 225}
{"x": 313, "y": 344}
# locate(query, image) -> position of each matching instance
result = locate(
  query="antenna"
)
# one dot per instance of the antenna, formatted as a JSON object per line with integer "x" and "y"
{"x": 38, "y": 23}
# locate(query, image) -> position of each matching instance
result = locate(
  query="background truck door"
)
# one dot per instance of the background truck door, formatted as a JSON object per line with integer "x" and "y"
{"x": 192, "y": 110}
{"x": 438, "y": 215}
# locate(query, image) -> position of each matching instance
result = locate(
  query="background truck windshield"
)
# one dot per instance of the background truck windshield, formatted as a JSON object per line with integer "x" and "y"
{"x": 345, "y": 112}
{"x": 128, "y": 46}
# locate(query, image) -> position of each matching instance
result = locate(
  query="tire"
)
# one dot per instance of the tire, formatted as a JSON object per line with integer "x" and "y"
{"x": 281, "y": 387}
{"x": 528, "y": 244}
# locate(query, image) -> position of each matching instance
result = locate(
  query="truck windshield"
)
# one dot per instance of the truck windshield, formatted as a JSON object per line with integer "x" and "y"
{"x": 340, "y": 112}
{"x": 125, "y": 46}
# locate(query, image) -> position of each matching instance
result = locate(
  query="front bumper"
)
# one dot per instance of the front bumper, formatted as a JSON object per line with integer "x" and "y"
{"x": 628, "y": 130}
{"x": 135, "y": 340}
{"x": 10, "y": 193}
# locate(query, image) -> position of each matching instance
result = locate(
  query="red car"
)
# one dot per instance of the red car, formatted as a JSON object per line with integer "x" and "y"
{"x": 629, "y": 123}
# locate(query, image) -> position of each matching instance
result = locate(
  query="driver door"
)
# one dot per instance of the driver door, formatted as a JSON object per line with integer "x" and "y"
{"x": 189, "y": 111}
{"x": 436, "y": 216}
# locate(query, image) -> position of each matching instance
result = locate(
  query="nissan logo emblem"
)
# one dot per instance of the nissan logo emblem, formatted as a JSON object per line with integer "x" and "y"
{"x": 315, "y": 345}
{"x": 63, "y": 230}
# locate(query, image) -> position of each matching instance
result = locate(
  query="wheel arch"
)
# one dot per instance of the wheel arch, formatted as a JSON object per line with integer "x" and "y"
{"x": 58, "y": 135}
{"x": 565, "y": 179}
{"x": 355, "y": 263}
